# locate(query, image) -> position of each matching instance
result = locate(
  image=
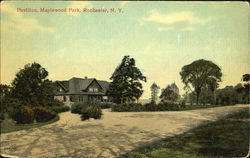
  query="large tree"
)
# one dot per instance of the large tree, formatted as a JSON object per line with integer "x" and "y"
{"x": 201, "y": 74}
{"x": 126, "y": 85}
{"x": 32, "y": 86}
{"x": 154, "y": 92}
{"x": 246, "y": 79}
{"x": 4, "y": 91}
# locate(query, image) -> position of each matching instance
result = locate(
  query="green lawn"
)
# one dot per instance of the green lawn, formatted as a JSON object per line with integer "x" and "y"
{"x": 9, "y": 125}
{"x": 228, "y": 137}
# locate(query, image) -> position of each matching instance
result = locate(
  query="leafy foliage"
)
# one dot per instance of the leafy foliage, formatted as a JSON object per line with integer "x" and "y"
{"x": 77, "y": 108}
{"x": 59, "y": 109}
{"x": 169, "y": 94}
{"x": 24, "y": 115}
{"x": 91, "y": 112}
{"x": 87, "y": 110}
{"x": 106, "y": 105}
{"x": 29, "y": 90}
{"x": 53, "y": 102}
{"x": 28, "y": 115}
{"x": 128, "y": 107}
{"x": 226, "y": 96}
{"x": 30, "y": 85}
{"x": 125, "y": 85}
{"x": 229, "y": 95}
{"x": 201, "y": 74}
{"x": 134, "y": 107}
{"x": 2, "y": 117}
{"x": 163, "y": 106}
{"x": 43, "y": 114}
{"x": 4, "y": 91}
{"x": 246, "y": 79}
{"x": 10, "y": 105}
{"x": 154, "y": 92}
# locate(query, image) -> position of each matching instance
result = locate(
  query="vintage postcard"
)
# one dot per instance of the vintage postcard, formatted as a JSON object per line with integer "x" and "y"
{"x": 131, "y": 79}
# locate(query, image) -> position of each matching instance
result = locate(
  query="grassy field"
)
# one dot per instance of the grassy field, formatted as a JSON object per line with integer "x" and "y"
{"x": 9, "y": 125}
{"x": 228, "y": 137}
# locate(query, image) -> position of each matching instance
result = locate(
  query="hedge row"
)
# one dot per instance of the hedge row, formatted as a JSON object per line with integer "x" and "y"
{"x": 29, "y": 115}
{"x": 59, "y": 109}
{"x": 137, "y": 107}
{"x": 2, "y": 117}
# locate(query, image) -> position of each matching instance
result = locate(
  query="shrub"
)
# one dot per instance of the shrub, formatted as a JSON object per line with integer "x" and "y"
{"x": 23, "y": 115}
{"x": 165, "y": 106}
{"x": 77, "y": 108}
{"x": 85, "y": 115}
{"x": 59, "y": 109}
{"x": 91, "y": 112}
{"x": 95, "y": 112}
{"x": 2, "y": 117}
{"x": 131, "y": 107}
{"x": 54, "y": 103}
{"x": 134, "y": 107}
{"x": 10, "y": 105}
{"x": 106, "y": 105}
{"x": 43, "y": 114}
{"x": 183, "y": 104}
{"x": 150, "y": 107}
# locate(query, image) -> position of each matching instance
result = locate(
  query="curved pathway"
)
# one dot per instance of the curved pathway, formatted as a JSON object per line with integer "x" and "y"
{"x": 115, "y": 134}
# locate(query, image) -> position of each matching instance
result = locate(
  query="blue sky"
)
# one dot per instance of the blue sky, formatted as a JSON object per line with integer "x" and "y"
{"x": 161, "y": 36}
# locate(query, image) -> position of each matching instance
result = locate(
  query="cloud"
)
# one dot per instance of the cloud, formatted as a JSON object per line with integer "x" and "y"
{"x": 165, "y": 29}
{"x": 17, "y": 22}
{"x": 187, "y": 29}
{"x": 183, "y": 16}
{"x": 79, "y": 5}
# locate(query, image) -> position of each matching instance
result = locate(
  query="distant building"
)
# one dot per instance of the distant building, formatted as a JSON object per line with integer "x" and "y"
{"x": 174, "y": 88}
{"x": 81, "y": 90}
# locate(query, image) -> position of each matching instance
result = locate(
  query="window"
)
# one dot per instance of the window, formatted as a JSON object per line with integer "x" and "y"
{"x": 95, "y": 89}
{"x": 59, "y": 89}
{"x": 91, "y": 89}
{"x": 64, "y": 98}
{"x": 104, "y": 98}
{"x": 80, "y": 99}
{"x": 71, "y": 98}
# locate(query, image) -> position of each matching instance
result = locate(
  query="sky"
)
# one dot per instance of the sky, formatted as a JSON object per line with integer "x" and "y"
{"x": 161, "y": 36}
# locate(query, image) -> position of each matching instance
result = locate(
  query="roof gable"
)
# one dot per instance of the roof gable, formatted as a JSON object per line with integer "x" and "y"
{"x": 81, "y": 85}
{"x": 104, "y": 85}
{"x": 94, "y": 80}
{"x": 64, "y": 85}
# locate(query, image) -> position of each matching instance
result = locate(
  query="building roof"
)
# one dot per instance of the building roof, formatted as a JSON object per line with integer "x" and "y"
{"x": 64, "y": 84}
{"x": 80, "y": 85}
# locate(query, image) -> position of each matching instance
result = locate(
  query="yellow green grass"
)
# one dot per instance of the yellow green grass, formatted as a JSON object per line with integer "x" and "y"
{"x": 228, "y": 137}
{"x": 9, "y": 125}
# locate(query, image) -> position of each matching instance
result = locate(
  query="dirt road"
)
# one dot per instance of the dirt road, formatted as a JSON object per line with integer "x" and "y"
{"x": 113, "y": 135}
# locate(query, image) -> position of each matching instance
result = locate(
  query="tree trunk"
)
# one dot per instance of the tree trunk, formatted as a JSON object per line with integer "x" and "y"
{"x": 214, "y": 102}
{"x": 248, "y": 96}
{"x": 197, "y": 97}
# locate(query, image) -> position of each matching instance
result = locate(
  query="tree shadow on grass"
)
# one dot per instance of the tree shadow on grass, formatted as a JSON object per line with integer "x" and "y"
{"x": 223, "y": 138}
